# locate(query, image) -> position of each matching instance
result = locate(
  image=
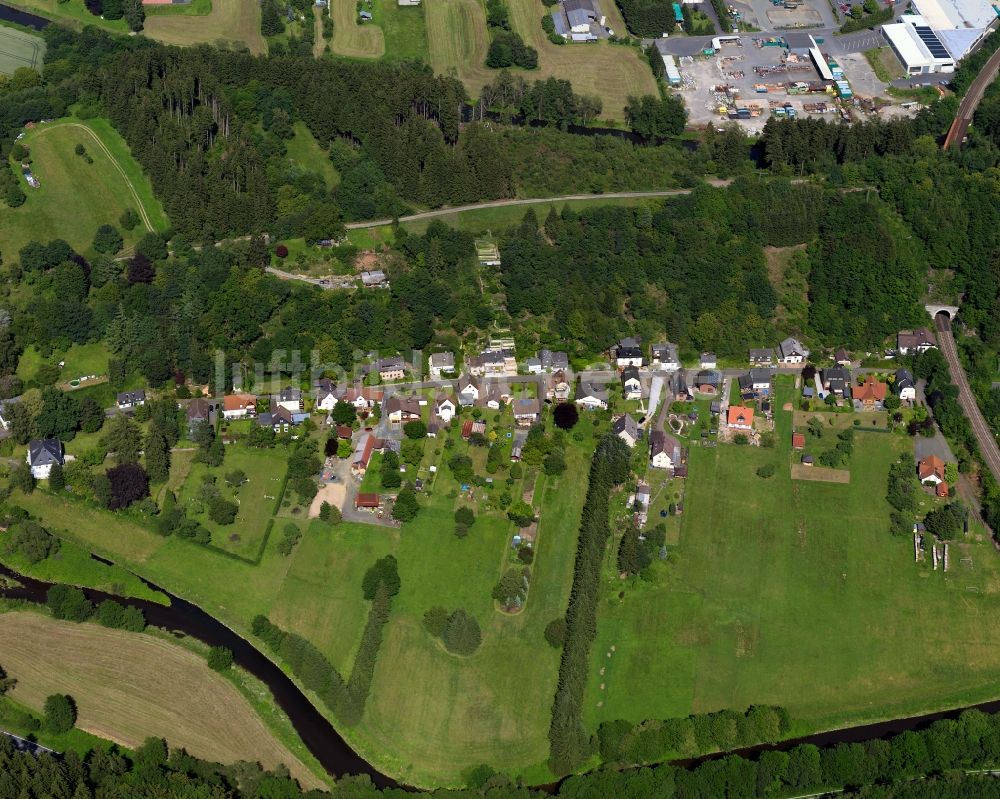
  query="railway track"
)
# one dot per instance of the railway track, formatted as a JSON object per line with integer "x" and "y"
{"x": 984, "y": 436}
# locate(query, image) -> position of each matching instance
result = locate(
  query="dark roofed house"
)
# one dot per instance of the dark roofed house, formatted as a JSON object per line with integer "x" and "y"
{"x": 627, "y": 429}
{"x": 290, "y": 399}
{"x": 198, "y": 411}
{"x": 126, "y": 400}
{"x": 325, "y": 394}
{"x": 904, "y": 385}
{"x": 791, "y": 350}
{"x": 837, "y": 380}
{"x": 761, "y": 357}
{"x": 526, "y": 412}
{"x": 915, "y": 341}
{"x": 43, "y": 454}
{"x": 842, "y": 357}
{"x": 708, "y": 381}
{"x": 679, "y": 385}
{"x": 581, "y": 13}
{"x": 628, "y": 352}
{"x": 631, "y": 385}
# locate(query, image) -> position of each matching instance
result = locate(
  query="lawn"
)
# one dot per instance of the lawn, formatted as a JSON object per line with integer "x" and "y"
{"x": 794, "y": 593}
{"x": 256, "y": 498}
{"x": 305, "y": 152}
{"x": 230, "y": 23}
{"x": 404, "y": 29}
{"x": 81, "y": 360}
{"x": 457, "y": 36}
{"x": 125, "y": 686}
{"x": 76, "y": 197}
{"x": 351, "y": 39}
{"x": 20, "y": 49}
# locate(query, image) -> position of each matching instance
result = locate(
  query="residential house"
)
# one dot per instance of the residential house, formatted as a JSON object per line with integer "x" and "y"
{"x": 931, "y": 470}
{"x": 664, "y": 451}
{"x": 399, "y": 410}
{"x": 43, "y": 454}
{"x": 468, "y": 392}
{"x": 433, "y": 428}
{"x": 325, "y": 394}
{"x": 708, "y": 360}
{"x": 374, "y": 279}
{"x": 198, "y": 412}
{"x": 492, "y": 396}
{"x": 798, "y": 441}
{"x": 627, "y": 429}
{"x": 280, "y": 419}
{"x": 762, "y": 357}
{"x": 289, "y": 398}
{"x": 391, "y": 368}
{"x": 591, "y": 395}
{"x": 628, "y": 352}
{"x": 558, "y": 388}
{"x": 909, "y": 342}
{"x": 756, "y": 383}
{"x": 526, "y": 411}
{"x": 837, "y": 381}
{"x": 665, "y": 357}
{"x": 740, "y": 418}
{"x": 363, "y": 398}
{"x": 445, "y": 407}
{"x": 547, "y": 361}
{"x": 631, "y": 385}
{"x": 366, "y": 501}
{"x": 708, "y": 381}
{"x": 127, "y": 400}
{"x": 441, "y": 362}
{"x": 870, "y": 394}
{"x": 239, "y": 406}
{"x": 362, "y": 454}
{"x": 791, "y": 351}
{"x": 679, "y": 386}
{"x": 344, "y": 432}
{"x": 492, "y": 362}
{"x": 904, "y": 385}
{"x": 842, "y": 357}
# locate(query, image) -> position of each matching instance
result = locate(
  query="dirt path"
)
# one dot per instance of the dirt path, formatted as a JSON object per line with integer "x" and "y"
{"x": 334, "y": 493}
{"x": 135, "y": 195}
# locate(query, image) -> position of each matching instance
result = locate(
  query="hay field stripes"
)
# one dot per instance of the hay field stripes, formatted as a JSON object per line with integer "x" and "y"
{"x": 129, "y": 686}
{"x": 230, "y": 21}
{"x": 458, "y": 41}
{"x": 19, "y": 49}
{"x": 351, "y": 39}
{"x": 135, "y": 195}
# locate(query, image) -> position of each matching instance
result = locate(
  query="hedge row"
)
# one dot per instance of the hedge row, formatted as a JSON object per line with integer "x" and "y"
{"x": 569, "y": 743}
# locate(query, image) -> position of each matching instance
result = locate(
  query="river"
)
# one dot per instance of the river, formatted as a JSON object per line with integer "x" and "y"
{"x": 334, "y": 753}
{"x": 15, "y": 15}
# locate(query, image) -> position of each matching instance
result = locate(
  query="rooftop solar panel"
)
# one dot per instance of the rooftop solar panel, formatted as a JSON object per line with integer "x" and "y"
{"x": 933, "y": 43}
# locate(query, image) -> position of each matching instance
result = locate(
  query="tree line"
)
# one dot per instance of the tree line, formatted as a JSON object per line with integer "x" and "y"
{"x": 346, "y": 699}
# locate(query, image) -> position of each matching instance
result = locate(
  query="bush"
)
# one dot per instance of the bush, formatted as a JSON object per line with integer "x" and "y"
{"x": 435, "y": 621}
{"x": 555, "y": 632}
{"x": 69, "y": 603}
{"x": 32, "y": 541}
{"x": 766, "y": 471}
{"x": 222, "y": 511}
{"x": 59, "y": 714}
{"x": 129, "y": 219}
{"x": 220, "y": 658}
{"x": 566, "y": 416}
{"x": 281, "y": 251}
{"x": 415, "y": 429}
{"x": 462, "y": 635}
{"x": 121, "y": 617}
{"x": 108, "y": 240}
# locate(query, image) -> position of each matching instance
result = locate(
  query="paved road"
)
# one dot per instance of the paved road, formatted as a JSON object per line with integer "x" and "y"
{"x": 617, "y": 195}
{"x": 987, "y": 441}
{"x": 971, "y": 101}
{"x": 24, "y": 745}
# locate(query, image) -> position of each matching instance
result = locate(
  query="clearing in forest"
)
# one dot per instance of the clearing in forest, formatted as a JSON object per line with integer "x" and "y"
{"x": 229, "y": 23}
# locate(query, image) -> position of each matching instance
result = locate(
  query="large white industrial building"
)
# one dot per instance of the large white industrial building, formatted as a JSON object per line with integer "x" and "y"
{"x": 939, "y": 34}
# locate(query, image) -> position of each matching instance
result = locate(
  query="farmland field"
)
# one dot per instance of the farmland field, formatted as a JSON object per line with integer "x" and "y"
{"x": 76, "y": 197}
{"x": 351, "y": 39}
{"x": 20, "y": 49}
{"x": 128, "y": 686}
{"x": 795, "y": 593}
{"x": 458, "y": 39}
{"x": 230, "y": 22}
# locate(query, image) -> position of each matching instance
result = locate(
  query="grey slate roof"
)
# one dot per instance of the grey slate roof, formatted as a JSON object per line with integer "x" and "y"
{"x": 626, "y": 424}
{"x": 42, "y": 451}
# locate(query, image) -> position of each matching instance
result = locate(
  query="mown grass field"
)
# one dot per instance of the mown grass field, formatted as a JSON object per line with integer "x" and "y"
{"x": 794, "y": 593}
{"x": 77, "y": 197}
{"x": 458, "y": 39}
{"x": 351, "y": 39}
{"x": 230, "y": 23}
{"x": 128, "y": 686}
{"x": 81, "y": 359}
{"x": 20, "y": 49}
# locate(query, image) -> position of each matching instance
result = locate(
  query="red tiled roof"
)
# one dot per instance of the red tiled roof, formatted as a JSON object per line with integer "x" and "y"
{"x": 872, "y": 390}
{"x": 942, "y": 489}
{"x": 740, "y": 416}
{"x": 366, "y": 501}
{"x": 798, "y": 441}
{"x": 931, "y": 466}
